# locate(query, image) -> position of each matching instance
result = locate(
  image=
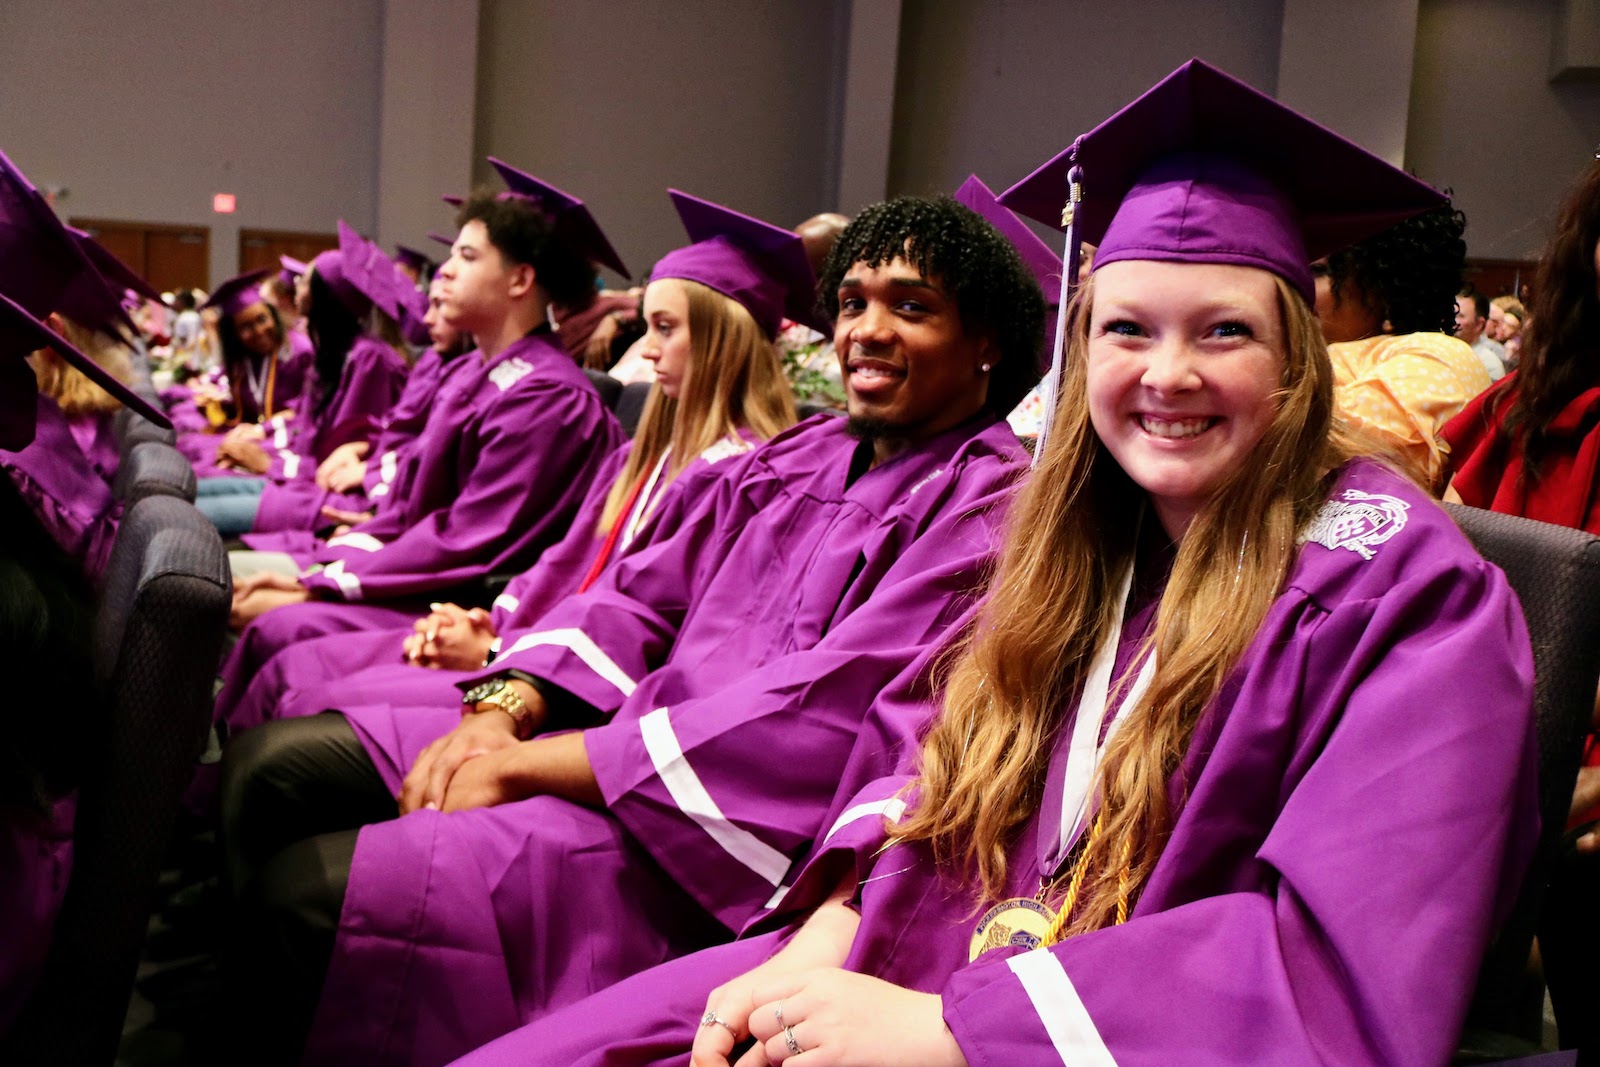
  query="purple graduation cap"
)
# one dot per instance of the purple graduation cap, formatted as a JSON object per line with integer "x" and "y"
{"x": 1036, "y": 255}
{"x": 91, "y": 300}
{"x": 43, "y": 269}
{"x": 371, "y": 271}
{"x": 113, "y": 270}
{"x": 1042, "y": 263}
{"x": 761, "y": 266}
{"x": 21, "y": 335}
{"x": 1202, "y": 168}
{"x": 571, "y": 218}
{"x": 359, "y": 274}
{"x": 452, "y": 200}
{"x": 48, "y": 269}
{"x": 448, "y": 242}
{"x": 239, "y": 292}
{"x": 417, "y": 261}
{"x": 292, "y": 268}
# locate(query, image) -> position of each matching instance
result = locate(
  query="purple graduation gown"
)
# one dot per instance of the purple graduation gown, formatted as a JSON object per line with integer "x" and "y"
{"x": 1361, "y": 808}
{"x": 97, "y": 439}
{"x": 198, "y": 442}
{"x": 291, "y": 511}
{"x": 68, "y": 495}
{"x": 753, "y": 628}
{"x": 364, "y": 668}
{"x": 368, "y": 386}
{"x": 35, "y": 863}
{"x": 495, "y": 476}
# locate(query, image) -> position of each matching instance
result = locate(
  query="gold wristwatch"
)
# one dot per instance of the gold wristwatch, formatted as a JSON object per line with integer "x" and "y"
{"x": 497, "y": 695}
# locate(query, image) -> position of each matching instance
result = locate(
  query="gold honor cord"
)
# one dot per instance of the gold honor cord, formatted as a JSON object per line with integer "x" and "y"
{"x": 1028, "y": 922}
{"x": 272, "y": 383}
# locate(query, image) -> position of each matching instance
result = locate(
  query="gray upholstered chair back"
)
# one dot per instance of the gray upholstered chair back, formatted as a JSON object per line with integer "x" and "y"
{"x": 158, "y": 635}
{"x": 1556, "y": 574}
{"x": 151, "y": 468}
{"x": 131, "y": 428}
{"x": 608, "y": 387}
{"x": 629, "y": 405}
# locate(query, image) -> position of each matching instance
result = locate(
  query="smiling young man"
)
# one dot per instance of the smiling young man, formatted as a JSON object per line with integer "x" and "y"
{"x": 722, "y": 672}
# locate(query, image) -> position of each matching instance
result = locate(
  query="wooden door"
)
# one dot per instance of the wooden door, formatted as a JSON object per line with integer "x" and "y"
{"x": 177, "y": 257}
{"x": 1494, "y": 277}
{"x": 167, "y": 256}
{"x": 261, "y": 248}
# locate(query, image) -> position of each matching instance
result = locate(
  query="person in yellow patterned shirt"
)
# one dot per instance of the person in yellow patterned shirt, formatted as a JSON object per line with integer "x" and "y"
{"x": 1387, "y": 307}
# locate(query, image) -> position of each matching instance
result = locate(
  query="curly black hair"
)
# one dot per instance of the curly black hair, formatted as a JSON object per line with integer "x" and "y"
{"x": 957, "y": 249}
{"x": 1409, "y": 274}
{"x": 525, "y": 233}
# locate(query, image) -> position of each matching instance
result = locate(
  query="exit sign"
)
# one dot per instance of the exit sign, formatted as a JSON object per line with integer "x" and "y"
{"x": 224, "y": 203}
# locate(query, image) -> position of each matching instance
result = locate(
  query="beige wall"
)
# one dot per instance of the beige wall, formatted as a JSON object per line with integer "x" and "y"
{"x": 367, "y": 109}
{"x": 1486, "y": 119}
{"x": 730, "y": 101}
{"x": 998, "y": 88}
{"x": 1349, "y": 65}
{"x": 144, "y": 110}
{"x": 430, "y": 64}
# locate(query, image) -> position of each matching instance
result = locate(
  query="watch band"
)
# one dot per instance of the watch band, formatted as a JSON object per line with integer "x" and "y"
{"x": 497, "y": 695}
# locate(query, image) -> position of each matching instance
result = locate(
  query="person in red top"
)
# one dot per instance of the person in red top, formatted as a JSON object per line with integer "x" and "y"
{"x": 1530, "y": 446}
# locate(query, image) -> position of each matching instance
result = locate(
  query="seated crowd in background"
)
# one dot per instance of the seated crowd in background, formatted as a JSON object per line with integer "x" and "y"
{"x": 821, "y": 645}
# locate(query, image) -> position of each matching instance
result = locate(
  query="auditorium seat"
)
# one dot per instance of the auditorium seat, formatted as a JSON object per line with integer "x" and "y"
{"x": 131, "y": 428}
{"x": 158, "y": 634}
{"x": 1555, "y": 572}
{"x": 153, "y": 468}
{"x": 609, "y": 388}
{"x": 630, "y": 405}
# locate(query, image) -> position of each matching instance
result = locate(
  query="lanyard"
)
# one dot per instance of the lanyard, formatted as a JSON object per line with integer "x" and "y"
{"x": 643, "y": 506}
{"x": 1087, "y": 746}
{"x": 634, "y": 511}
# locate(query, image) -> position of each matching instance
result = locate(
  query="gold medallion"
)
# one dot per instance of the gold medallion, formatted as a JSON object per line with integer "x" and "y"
{"x": 1020, "y": 921}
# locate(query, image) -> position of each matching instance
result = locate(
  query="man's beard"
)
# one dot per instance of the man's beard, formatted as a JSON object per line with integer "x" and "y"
{"x": 870, "y": 428}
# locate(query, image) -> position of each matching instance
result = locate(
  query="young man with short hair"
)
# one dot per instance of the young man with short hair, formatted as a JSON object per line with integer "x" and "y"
{"x": 513, "y": 437}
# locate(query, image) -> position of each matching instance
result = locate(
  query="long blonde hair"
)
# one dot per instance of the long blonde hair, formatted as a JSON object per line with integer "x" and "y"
{"x": 984, "y": 759}
{"x": 69, "y": 387}
{"x": 734, "y": 381}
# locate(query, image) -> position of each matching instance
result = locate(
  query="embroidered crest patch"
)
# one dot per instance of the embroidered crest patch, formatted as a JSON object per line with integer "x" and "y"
{"x": 510, "y": 372}
{"x": 1359, "y": 521}
{"x": 725, "y": 449}
{"x": 925, "y": 481}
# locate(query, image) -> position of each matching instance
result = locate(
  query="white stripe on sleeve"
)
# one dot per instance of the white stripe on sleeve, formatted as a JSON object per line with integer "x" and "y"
{"x": 348, "y": 583}
{"x": 579, "y": 644}
{"x": 689, "y": 793}
{"x": 355, "y": 539}
{"x": 890, "y": 809}
{"x": 1060, "y": 1009}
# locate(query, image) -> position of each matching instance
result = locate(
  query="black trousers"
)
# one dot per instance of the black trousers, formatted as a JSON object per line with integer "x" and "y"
{"x": 294, "y": 794}
{"x": 1569, "y": 945}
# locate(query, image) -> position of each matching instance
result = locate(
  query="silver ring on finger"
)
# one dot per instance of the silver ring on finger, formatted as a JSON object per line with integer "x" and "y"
{"x": 788, "y": 1039}
{"x": 711, "y": 1018}
{"x": 778, "y": 1014}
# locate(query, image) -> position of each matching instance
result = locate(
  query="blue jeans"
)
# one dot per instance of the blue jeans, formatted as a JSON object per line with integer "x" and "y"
{"x": 230, "y": 503}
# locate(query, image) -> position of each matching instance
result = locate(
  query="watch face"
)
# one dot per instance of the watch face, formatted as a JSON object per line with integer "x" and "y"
{"x": 482, "y": 691}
